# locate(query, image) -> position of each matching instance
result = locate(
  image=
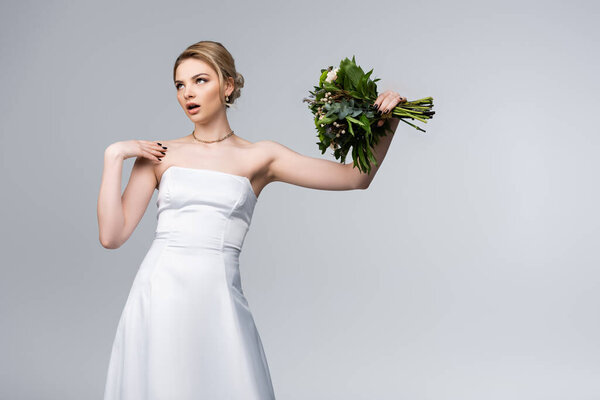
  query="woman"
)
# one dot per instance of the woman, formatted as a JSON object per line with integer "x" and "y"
{"x": 186, "y": 330}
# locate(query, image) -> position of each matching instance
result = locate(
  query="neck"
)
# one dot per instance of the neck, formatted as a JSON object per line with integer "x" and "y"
{"x": 213, "y": 130}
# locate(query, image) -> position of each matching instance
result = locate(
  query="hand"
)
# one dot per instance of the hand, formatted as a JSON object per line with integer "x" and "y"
{"x": 387, "y": 101}
{"x": 138, "y": 148}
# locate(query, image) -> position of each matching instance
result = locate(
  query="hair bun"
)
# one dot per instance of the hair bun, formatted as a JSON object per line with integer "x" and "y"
{"x": 239, "y": 80}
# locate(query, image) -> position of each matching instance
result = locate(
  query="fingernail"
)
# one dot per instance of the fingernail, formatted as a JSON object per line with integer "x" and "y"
{"x": 163, "y": 152}
{"x": 163, "y": 147}
{"x": 160, "y": 144}
{"x": 376, "y": 106}
{"x": 159, "y": 159}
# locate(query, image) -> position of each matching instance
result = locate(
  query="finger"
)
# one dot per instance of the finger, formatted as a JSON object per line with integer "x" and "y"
{"x": 391, "y": 102}
{"x": 382, "y": 98}
{"x": 157, "y": 153}
{"x": 155, "y": 149}
{"x": 155, "y": 145}
{"x": 377, "y": 102}
{"x": 159, "y": 146}
{"x": 386, "y": 106}
{"x": 151, "y": 156}
{"x": 387, "y": 101}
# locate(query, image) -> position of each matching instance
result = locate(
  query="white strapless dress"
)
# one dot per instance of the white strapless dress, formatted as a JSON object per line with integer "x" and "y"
{"x": 186, "y": 331}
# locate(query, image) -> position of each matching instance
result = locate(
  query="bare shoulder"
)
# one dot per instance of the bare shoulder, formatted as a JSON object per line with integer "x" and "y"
{"x": 268, "y": 144}
{"x": 269, "y": 151}
{"x": 262, "y": 148}
{"x": 248, "y": 144}
{"x": 271, "y": 148}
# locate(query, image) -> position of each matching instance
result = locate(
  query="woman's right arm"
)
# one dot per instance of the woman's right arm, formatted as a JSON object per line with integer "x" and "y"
{"x": 119, "y": 215}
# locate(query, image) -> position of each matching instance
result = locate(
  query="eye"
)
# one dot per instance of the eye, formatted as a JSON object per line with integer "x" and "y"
{"x": 197, "y": 79}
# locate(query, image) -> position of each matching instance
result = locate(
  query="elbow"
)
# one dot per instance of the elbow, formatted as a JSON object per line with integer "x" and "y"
{"x": 363, "y": 184}
{"x": 109, "y": 243}
{"x": 366, "y": 179}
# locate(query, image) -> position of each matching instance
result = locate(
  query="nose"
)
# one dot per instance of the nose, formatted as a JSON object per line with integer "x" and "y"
{"x": 187, "y": 92}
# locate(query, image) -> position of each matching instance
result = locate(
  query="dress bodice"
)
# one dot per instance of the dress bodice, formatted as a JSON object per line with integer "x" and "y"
{"x": 204, "y": 209}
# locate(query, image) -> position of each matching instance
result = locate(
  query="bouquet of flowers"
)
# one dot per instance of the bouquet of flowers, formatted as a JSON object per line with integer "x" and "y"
{"x": 342, "y": 105}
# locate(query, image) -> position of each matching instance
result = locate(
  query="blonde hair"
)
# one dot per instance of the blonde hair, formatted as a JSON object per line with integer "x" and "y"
{"x": 216, "y": 55}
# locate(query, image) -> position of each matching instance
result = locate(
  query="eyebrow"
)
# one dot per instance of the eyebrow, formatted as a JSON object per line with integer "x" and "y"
{"x": 195, "y": 76}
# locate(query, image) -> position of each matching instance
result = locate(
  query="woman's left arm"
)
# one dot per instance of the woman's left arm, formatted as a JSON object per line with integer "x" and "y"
{"x": 288, "y": 166}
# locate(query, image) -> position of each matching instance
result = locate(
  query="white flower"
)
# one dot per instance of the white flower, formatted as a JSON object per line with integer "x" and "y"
{"x": 332, "y": 75}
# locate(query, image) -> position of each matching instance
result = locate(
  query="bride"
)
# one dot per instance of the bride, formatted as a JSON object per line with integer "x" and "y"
{"x": 186, "y": 331}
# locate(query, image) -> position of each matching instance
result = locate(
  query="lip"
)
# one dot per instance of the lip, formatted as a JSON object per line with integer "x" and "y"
{"x": 193, "y": 110}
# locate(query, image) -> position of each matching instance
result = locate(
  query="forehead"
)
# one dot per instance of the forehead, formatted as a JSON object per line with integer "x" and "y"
{"x": 190, "y": 67}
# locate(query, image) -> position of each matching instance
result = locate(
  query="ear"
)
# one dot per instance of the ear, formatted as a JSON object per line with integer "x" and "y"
{"x": 230, "y": 86}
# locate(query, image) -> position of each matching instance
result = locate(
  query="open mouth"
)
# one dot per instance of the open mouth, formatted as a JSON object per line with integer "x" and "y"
{"x": 192, "y": 106}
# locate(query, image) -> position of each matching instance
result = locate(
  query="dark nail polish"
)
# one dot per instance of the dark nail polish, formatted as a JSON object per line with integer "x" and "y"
{"x": 163, "y": 152}
{"x": 160, "y": 144}
{"x": 164, "y": 147}
{"x": 376, "y": 106}
{"x": 159, "y": 159}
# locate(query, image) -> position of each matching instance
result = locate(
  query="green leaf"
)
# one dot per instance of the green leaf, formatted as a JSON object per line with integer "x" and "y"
{"x": 322, "y": 78}
{"x": 343, "y": 112}
{"x": 365, "y": 123}
{"x": 350, "y": 129}
{"x": 362, "y": 155}
{"x": 370, "y": 155}
{"x": 326, "y": 120}
{"x": 349, "y": 118}
{"x": 351, "y": 72}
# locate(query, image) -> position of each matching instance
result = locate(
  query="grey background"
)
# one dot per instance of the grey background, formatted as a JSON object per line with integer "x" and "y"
{"x": 469, "y": 268}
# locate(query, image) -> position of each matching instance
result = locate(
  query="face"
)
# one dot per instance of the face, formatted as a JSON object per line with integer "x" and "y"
{"x": 197, "y": 82}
